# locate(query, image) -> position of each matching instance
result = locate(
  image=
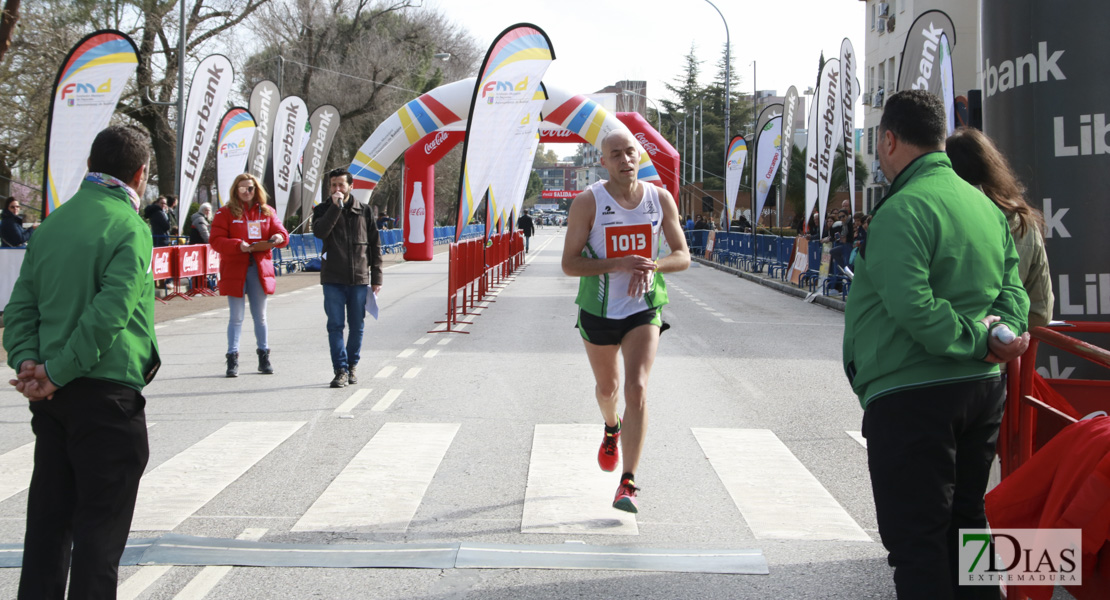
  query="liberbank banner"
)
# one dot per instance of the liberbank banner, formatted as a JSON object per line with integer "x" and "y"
{"x": 90, "y": 81}
{"x": 323, "y": 124}
{"x": 207, "y": 94}
{"x": 1045, "y": 105}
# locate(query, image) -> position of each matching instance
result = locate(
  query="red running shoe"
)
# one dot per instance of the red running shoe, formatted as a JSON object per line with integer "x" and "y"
{"x": 626, "y": 496}
{"x": 609, "y": 454}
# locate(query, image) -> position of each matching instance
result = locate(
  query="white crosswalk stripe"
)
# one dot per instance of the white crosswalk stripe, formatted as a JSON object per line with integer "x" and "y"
{"x": 777, "y": 496}
{"x": 567, "y": 492}
{"x": 382, "y": 487}
{"x": 15, "y": 470}
{"x": 177, "y": 488}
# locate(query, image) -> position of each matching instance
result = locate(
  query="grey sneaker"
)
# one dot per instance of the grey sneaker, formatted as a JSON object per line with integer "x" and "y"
{"x": 351, "y": 379}
{"x": 340, "y": 379}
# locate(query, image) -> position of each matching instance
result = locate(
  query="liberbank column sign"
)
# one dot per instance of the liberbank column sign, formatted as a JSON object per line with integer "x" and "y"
{"x": 1045, "y": 102}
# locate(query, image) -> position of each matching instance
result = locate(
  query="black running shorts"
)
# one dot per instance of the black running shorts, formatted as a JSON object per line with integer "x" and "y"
{"x": 609, "y": 332}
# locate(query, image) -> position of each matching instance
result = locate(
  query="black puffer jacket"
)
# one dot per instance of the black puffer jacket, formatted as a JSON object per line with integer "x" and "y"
{"x": 352, "y": 249}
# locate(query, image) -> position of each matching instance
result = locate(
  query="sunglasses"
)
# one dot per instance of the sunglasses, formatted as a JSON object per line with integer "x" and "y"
{"x": 246, "y": 188}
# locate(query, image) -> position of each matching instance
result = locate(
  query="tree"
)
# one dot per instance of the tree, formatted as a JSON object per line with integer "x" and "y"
{"x": 544, "y": 157}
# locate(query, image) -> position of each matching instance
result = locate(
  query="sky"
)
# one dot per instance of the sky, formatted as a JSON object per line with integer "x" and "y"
{"x": 600, "y": 42}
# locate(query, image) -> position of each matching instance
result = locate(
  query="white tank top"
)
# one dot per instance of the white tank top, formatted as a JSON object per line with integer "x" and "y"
{"x": 616, "y": 232}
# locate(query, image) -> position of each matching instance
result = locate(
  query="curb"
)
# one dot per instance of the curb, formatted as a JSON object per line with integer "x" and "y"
{"x": 774, "y": 284}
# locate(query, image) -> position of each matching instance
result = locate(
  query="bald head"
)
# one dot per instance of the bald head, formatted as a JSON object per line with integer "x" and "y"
{"x": 621, "y": 138}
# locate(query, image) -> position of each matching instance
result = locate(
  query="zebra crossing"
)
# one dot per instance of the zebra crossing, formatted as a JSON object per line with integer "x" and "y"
{"x": 382, "y": 486}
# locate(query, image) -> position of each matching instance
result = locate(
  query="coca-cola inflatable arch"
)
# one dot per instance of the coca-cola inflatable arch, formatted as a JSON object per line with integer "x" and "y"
{"x": 427, "y": 128}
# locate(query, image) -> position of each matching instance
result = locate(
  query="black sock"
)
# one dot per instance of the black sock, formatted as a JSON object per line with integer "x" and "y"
{"x": 612, "y": 430}
{"x": 628, "y": 476}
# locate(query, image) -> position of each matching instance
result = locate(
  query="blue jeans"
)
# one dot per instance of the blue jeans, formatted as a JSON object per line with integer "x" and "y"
{"x": 252, "y": 290}
{"x": 345, "y": 303}
{"x": 527, "y": 240}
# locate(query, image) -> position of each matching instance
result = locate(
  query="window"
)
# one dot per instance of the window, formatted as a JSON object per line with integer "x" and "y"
{"x": 871, "y": 140}
{"x": 874, "y": 15}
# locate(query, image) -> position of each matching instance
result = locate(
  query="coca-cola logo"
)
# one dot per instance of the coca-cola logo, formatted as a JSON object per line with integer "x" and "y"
{"x": 213, "y": 260}
{"x": 416, "y": 211}
{"x": 649, "y": 146}
{"x": 191, "y": 262}
{"x": 161, "y": 263}
{"x": 441, "y": 136}
{"x": 561, "y": 133}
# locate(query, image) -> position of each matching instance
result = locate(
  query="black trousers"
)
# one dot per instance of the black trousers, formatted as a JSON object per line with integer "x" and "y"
{"x": 90, "y": 451}
{"x": 929, "y": 451}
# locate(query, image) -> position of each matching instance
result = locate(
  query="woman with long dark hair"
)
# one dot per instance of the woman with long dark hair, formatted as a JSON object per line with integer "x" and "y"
{"x": 978, "y": 161}
{"x": 243, "y": 232}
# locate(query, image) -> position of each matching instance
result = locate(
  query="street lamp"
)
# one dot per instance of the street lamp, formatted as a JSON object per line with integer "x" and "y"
{"x": 658, "y": 122}
{"x": 442, "y": 55}
{"x": 728, "y": 76}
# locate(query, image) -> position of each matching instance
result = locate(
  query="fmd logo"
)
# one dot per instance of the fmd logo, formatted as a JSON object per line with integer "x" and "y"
{"x": 227, "y": 148}
{"x": 504, "y": 86}
{"x": 72, "y": 92}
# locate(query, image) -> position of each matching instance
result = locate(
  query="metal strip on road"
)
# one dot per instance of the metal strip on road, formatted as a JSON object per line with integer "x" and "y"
{"x": 574, "y": 556}
{"x": 567, "y": 492}
{"x": 381, "y": 488}
{"x": 15, "y": 470}
{"x": 778, "y": 497}
{"x": 179, "y": 487}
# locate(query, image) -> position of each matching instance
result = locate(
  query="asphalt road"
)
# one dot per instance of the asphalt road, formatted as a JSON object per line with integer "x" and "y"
{"x": 475, "y": 437}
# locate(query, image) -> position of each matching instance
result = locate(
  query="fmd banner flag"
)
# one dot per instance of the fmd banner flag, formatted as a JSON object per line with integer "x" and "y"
{"x": 849, "y": 91}
{"x": 507, "y": 83}
{"x": 237, "y": 130}
{"x": 788, "y": 106}
{"x": 920, "y": 67}
{"x": 207, "y": 94}
{"x": 734, "y": 171}
{"x": 768, "y": 152}
{"x": 829, "y": 134}
{"x": 292, "y": 116}
{"x": 263, "y": 105}
{"x": 323, "y": 124}
{"x": 514, "y": 167}
{"x": 90, "y": 81}
{"x": 947, "y": 86}
{"x": 1046, "y": 109}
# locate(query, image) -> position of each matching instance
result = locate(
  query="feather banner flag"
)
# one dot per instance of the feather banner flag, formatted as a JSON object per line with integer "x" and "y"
{"x": 734, "y": 171}
{"x": 289, "y": 126}
{"x": 237, "y": 130}
{"x": 207, "y": 94}
{"x": 323, "y": 124}
{"x": 789, "y": 105}
{"x": 824, "y": 137}
{"x": 849, "y": 91}
{"x": 507, "y": 83}
{"x": 89, "y": 84}
{"x": 510, "y": 173}
{"x": 768, "y": 154}
{"x": 263, "y": 105}
{"x": 918, "y": 68}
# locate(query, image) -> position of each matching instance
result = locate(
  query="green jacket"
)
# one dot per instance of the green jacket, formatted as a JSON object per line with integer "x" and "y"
{"x": 84, "y": 300}
{"x": 939, "y": 257}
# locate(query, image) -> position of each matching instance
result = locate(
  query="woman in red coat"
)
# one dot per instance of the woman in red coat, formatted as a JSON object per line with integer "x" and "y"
{"x": 243, "y": 233}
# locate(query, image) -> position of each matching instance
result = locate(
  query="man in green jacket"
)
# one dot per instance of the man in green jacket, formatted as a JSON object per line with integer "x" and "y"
{"x": 79, "y": 330}
{"x": 938, "y": 276}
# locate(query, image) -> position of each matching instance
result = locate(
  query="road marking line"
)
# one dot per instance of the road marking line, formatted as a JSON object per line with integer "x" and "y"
{"x": 350, "y": 403}
{"x": 728, "y": 320}
{"x": 422, "y": 341}
{"x": 777, "y": 495}
{"x": 858, "y": 436}
{"x": 386, "y": 400}
{"x": 182, "y": 485}
{"x": 717, "y": 314}
{"x": 210, "y": 576}
{"x": 412, "y": 373}
{"x": 407, "y": 352}
{"x": 140, "y": 581}
{"x": 431, "y": 353}
{"x": 709, "y": 308}
{"x": 567, "y": 493}
{"x": 16, "y": 467}
{"x": 383, "y": 485}
{"x": 385, "y": 372}
{"x": 445, "y": 341}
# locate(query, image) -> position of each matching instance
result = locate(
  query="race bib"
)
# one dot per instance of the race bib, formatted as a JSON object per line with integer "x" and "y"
{"x": 254, "y": 230}
{"x": 624, "y": 240}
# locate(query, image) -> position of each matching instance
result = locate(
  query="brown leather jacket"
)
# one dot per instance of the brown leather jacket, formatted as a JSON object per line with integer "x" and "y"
{"x": 352, "y": 250}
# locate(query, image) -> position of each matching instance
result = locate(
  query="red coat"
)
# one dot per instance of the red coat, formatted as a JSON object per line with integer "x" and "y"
{"x": 227, "y": 232}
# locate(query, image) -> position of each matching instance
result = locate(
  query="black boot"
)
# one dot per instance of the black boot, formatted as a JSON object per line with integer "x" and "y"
{"x": 233, "y": 364}
{"x": 264, "y": 365}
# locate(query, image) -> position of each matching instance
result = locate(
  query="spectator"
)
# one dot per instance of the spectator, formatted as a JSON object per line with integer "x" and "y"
{"x": 940, "y": 273}
{"x": 79, "y": 330}
{"x": 202, "y": 221}
{"x": 526, "y": 226}
{"x": 159, "y": 221}
{"x": 689, "y": 222}
{"x": 976, "y": 159}
{"x": 384, "y": 222}
{"x": 171, "y": 214}
{"x": 701, "y": 223}
{"x": 12, "y": 232}
{"x": 243, "y": 232}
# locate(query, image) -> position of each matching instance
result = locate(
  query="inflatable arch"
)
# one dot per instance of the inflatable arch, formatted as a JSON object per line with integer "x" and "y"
{"x": 427, "y": 128}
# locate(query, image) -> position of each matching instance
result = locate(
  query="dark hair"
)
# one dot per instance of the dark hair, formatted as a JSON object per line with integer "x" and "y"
{"x": 978, "y": 161}
{"x": 171, "y": 200}
{"x": 915, "y": 117}
{"x": 120, "y": 152}
{"x": 341, "y": 172}
{"x": 8, "y": 203}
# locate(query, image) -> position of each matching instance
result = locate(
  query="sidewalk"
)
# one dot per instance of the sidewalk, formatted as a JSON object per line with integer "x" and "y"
{"x": 775, "y": 284}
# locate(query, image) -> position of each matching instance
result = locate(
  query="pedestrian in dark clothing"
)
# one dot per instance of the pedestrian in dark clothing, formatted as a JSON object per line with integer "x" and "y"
{"x": 527, "y": 227}
{"x": 12, "y": 232}
{"x": 352, "y": 264}
{"x": 79, "y": 330}
{"x": 159, "y": 222}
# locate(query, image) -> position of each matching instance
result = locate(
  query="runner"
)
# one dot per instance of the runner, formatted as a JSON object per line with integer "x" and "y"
{"x": 613, "y": 237}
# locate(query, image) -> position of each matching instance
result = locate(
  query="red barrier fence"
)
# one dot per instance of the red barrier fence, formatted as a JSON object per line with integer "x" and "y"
{"x": 1038, "y": 408}
{"x": 473, "y": 270}
{"x": 182, "y": 262}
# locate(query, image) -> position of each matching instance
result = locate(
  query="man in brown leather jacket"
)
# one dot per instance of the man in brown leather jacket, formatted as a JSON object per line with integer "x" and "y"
{"x": 352, "y": 266}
